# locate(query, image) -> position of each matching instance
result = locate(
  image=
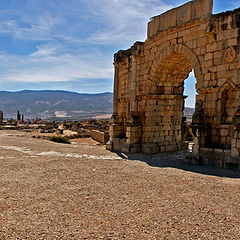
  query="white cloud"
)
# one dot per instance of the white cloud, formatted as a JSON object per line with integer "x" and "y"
{"x": 116, "y": 21}
{"x": 236, "y": 4}
{"x": 125, "y": 21}
{"x": 45, "y": 66}
{"x": 75, "y": 35}
{"x": 44, "y": 50}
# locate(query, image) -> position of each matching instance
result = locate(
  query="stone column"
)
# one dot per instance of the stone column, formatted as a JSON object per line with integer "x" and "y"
{"x": 116, "y": 79}
{"x": 235, "y": 141}
{"x": 115, "y": 129}
{"x": 133, "y": 84}
{"x": 133, "y": 132}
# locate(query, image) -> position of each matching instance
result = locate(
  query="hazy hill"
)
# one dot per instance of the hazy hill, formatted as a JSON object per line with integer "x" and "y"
{"x": 48, "y": 103}
{"x": 188, "y": 112}
{"x": 54, "y": 103}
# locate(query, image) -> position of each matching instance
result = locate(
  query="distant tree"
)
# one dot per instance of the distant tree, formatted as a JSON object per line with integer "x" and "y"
{"x": 18, "y": 116}
{"x": 1, "y": 115}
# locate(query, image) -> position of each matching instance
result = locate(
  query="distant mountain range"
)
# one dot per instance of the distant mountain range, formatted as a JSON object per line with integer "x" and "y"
{"x": 51, "y": 104}
{"x": 188, "y": 112}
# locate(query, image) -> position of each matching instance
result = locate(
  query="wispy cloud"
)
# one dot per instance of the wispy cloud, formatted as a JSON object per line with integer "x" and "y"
{"x": 44, "y": 67}
{"x": 236, "y": 4}
{"x": 70, "y": 40}
{"x": 125, "y": 21}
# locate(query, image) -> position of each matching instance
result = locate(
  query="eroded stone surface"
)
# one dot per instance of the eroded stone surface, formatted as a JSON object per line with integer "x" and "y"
{"x": 149, "y": 83}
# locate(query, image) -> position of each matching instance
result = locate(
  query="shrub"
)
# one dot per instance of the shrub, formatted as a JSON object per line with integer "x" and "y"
{"x": 60, "y": 139}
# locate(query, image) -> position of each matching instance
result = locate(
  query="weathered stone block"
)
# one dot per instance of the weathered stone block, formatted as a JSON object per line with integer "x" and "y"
{"x": 132, "y": 140}
{"x": 171, "y": 148}
{"x": 218, "y": 157}
{"x": 207, "y": 156}
{"x": 201, "y": 8}
{"x": 224, "y": 132}
{"x": 179, "y": 16}
{"x": 101, "y": 137}
{"x": 235, "y": 152}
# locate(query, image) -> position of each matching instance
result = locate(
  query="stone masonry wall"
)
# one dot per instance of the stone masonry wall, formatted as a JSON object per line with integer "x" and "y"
{"x": 149, "y": 81}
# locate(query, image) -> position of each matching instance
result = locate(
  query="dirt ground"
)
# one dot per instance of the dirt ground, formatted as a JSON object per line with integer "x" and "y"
{"x": 81, "y": 191}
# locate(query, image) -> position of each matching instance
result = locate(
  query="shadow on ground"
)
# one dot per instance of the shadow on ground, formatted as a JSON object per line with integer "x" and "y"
{"x": 176, "y": 160}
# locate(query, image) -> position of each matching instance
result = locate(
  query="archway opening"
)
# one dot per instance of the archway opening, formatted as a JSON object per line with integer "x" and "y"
{"x": 190, "y": 92}
{"x": 165, "y": 122}
{"x": 189, "y": 106}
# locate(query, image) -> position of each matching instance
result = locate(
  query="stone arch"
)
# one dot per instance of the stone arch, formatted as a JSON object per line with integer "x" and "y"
{"x": 193, "y": 38}
{"x": 227, "y": 103}
{"x": 163, "y": 123}
{"x": 176, "y": 49}
{"x": 224, "y": 87}
{"x": 220, "y": 97}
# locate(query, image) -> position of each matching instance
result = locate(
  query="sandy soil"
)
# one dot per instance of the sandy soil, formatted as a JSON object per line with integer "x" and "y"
{"x": 81, "y": 191}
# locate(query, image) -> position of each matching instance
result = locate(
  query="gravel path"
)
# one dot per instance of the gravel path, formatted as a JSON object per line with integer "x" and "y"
{"x": 81, "y": 191}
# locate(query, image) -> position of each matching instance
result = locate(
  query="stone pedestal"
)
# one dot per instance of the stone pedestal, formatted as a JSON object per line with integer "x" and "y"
{"x": 128, "y": 141}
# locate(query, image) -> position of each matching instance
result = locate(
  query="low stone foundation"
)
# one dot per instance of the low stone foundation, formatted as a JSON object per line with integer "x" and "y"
{"x": 214, "y": 157}
{"x": 101, "y": 137}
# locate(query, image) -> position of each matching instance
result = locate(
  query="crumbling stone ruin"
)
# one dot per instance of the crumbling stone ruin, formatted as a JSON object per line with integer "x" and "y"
{"x": 96, "y": 129}
{"x": 149, "y": 83}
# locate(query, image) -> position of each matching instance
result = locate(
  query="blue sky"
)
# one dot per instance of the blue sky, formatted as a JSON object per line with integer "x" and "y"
{"x": 69, "y": 44}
